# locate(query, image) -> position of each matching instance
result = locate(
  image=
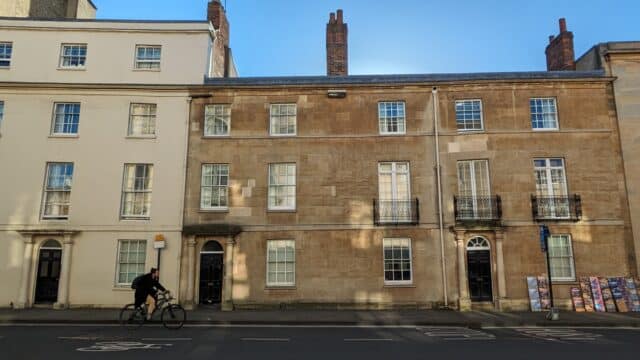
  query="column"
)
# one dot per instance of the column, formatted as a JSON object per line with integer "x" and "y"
{"x": 27, "y": 259}
{"x": 227, "y": 289}
{"x": 464, "y": 302}
{"x": 502, "y": 282}
{"x": 65, "y": 273}
{"x": 191, "y": 271}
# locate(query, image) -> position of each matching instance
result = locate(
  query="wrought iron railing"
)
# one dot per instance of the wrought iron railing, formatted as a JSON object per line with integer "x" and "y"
{"x": 396, "y": 212}
{"x": 556, "y": 207}
{"x": 477, "y": 208}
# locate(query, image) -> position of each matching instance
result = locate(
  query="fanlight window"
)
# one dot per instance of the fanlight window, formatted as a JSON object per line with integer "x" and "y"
{"x": 478, "y": 243}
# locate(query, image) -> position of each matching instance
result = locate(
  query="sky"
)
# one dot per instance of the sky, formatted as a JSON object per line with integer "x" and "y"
{"x": 287, "y": 37}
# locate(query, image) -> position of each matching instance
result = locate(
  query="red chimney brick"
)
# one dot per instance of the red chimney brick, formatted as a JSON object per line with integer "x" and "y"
{"x": 218, "y": 18}
{"x": 337, "y": 46}
{"x": 560, "y": 52}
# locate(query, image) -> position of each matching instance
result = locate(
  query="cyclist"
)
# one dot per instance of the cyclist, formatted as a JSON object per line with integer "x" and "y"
{"x": 147, "y": 287}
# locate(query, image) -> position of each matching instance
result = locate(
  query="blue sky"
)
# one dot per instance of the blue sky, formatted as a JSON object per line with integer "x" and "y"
{"x": 287, "y": 37}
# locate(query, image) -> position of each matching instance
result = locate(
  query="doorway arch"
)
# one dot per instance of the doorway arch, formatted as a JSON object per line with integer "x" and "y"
{"x": 48, "y": 272}
{"x": 211, "y": 273}
{"x": 479, "y": 269}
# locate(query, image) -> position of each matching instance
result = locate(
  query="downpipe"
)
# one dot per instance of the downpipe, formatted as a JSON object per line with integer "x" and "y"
{"x": 434, "y": 94}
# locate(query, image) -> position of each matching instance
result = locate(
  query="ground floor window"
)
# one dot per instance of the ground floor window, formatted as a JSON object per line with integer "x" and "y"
{"x": 397, "y": 261}
{"x": 281, "y": 263}
{"x": 131, "y": 260}
{"x": 561, "y": 258}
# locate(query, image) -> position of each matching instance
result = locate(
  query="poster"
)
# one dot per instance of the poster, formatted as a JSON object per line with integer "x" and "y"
{"x": 534, "y": 294}
{"x": 576, "y": 298}
{"x": 632, "y": 295}
{"x": 585, "y": 288}
{"x": 598, "y": 301}
{"x": 607, "y": 296}
{"x": 543, "y": 288}
{"x": 617, "y": 286}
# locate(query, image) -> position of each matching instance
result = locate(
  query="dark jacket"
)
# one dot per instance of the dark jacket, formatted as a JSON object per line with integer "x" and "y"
{"x": 148, "y": 286}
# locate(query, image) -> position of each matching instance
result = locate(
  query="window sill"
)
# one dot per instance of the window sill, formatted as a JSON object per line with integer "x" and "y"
{"x": 63, "y": 136}
{"x": 135, "y": 219}
{"x": 545, "y": 130}
{"x": 471, "y": 131}
{"x": 282, "y": 288}
{"x": 5, "y": 67}
{"x": 220, "y": 210}
{"x": 56, "y": 220}
{"x": 565, "y": 282}
{"x": 393, "y": 134}
{"x": 216, "y": 136}
{"x": 283, "y": 135}
{"x": 399, "y": 285}
{"x": 146, "y": 70}
{"x": 141, "y": 137}
{"x": 72, "y": 69}
{"x": 281, "y": 211}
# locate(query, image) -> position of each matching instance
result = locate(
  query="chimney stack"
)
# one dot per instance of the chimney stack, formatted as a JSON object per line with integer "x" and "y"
{"x": 560, "y": 53}
{"x": 337, "y": 46}
{"x": 222, "y": 53}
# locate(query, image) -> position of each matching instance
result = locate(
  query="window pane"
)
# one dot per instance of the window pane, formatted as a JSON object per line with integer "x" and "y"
{"x": 283, "y": 119}
{"x": 66, "y": 118}
{"x": 131, "y": 260}
{"x": 280, "y": 263}
{"x": 142, "y": 119}
{"x": 543, "y": 113}
{"x": 136, "y": 192}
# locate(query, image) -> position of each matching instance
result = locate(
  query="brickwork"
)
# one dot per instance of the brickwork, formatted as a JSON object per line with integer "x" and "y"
{"x": 337, "y": 46}
{"x": 221, "y": 51}
{"x": 560, "y": 52}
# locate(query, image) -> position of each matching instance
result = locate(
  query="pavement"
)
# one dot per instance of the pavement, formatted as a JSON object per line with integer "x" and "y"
{"x": 238, "y": 342}
{"x": 473, "y": 319}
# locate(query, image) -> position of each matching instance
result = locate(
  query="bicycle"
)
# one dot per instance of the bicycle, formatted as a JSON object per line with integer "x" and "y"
{"x": 173, "y": 316}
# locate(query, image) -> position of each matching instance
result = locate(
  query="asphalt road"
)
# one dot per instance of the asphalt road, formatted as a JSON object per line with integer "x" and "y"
{"x": 246, "y": 342}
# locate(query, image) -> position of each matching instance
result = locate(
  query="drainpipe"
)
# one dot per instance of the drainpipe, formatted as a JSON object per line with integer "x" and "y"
{"x": 434, "y": 94}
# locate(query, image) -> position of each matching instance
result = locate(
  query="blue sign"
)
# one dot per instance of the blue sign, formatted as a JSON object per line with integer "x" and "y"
{"x": 544, "y": 234}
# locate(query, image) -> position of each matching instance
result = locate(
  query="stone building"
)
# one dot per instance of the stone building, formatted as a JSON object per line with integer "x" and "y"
{"x": 622, "y": 61}
{"x": 93, "y": 141}
{"x": 57, "y": 9}
{"x": 400, "y": 191}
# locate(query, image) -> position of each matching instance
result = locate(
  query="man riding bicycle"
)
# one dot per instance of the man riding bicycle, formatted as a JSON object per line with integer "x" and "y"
{"x": 147, "y": 287}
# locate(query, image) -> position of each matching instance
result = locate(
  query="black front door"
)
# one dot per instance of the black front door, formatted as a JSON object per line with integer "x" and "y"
{"x": 211, "y": 274}
{"x": 48, "y": 276}
{"x": 479, "y": 266}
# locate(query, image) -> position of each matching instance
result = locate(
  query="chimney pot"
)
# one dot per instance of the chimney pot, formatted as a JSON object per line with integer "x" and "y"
{"x": 563, "y": 25}
{"x": 551, "y": 37}
{"x": 340, "y": 17}
{"x": 332, "y": 18}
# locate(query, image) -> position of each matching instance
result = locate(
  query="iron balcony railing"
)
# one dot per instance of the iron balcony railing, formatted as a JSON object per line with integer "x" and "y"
{"x": 396, "y": 212}
{"x": 477, "y": 208}
{"x": 556, "y": 207}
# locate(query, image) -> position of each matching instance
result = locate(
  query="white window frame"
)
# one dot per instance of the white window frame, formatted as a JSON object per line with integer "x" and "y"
{"x": 79, "y": 46}
{"x": 397, "y": 207}
{"x": 571, "y": 258}
{"x": 119, "y": 261}
{"x": 549, "y": 185}
{"x": 295, "y": 188}
{"x": 139, "y": 61}
{"x": 555, "y": 113}
{"x": 385, "y": 241}
{"x": 280, "y": 244}
{"x": 383, "y": 120}
{"x": 3, "y": 54}
{"x": 203, "y": 186}
{"x": 149, "y": 169}
{"x": 217, "y": 111}
{"x": 54, "y": 121}
{"x": 273, "y": 118}
{"x": 473, "y": 180}
{"x": 65, "y": 189}
{"x": 149, "y": 118}
{"x": 464, "y": 101}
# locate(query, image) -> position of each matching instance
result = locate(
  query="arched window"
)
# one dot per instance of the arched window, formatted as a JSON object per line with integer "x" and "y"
{"x": 478, "y": 243}
{"x": 212, "y": 247}
{"x": 51, "y": 244}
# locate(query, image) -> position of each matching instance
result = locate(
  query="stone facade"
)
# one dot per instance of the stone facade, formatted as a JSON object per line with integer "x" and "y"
{"x": 58, "y": 9}
{"x": 337, "y": 149}
{"x": 622, "y": 60}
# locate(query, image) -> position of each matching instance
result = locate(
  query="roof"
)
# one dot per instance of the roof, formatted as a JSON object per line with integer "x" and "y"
{"x": 404, "y": 79}
{"x": 126, "y": 21}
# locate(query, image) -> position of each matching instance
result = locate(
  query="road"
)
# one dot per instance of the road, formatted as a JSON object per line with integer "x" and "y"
{"x": 294, "y": 342}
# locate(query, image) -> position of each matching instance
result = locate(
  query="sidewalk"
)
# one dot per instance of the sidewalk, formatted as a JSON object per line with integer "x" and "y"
{"x": 474, "y": 319}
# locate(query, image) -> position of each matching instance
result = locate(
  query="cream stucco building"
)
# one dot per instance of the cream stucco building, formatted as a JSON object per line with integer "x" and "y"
{"x": 93, "y": 140}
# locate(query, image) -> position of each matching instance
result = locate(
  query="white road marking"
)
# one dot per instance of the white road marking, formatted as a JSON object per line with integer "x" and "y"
{"x": 266, "y": 339}
{"x": 167, "y": 339}
{"x": 457, "y": 334}
{"x": 364, "y": 340}
{"x": 558, "y": 334}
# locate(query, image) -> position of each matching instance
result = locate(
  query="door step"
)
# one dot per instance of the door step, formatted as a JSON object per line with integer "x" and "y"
{"x": 483, "y": 306}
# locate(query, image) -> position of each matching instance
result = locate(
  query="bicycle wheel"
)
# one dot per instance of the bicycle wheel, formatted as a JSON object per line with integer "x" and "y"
{"x": 130, "y": 317}
{"x": 173, "y": 317}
